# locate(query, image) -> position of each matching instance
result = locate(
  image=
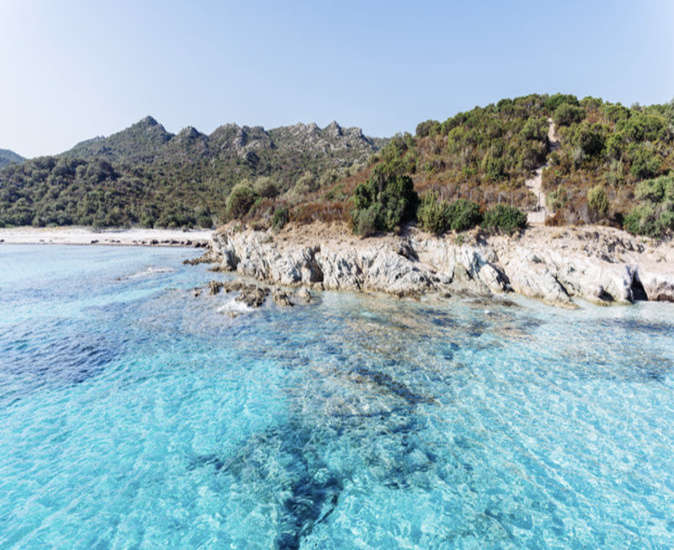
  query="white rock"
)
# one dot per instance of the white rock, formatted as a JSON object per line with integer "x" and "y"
{"x": 598, "y": 264}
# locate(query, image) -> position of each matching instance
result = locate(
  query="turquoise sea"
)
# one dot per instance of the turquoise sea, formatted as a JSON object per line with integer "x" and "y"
{"x": 134, "y": 415}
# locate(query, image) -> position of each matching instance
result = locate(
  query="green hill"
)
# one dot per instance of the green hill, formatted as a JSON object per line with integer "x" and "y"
{"x": 612, "y": 164}
{"x": 9, "y": 157}
{"x": 138, "y": 143}
{"x": 146, "y": 175}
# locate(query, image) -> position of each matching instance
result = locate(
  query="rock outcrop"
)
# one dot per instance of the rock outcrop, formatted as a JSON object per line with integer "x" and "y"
{"x": 601, "y": 265}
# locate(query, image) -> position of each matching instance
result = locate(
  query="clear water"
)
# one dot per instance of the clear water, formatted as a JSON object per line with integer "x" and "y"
{"x": 134, "y": 415}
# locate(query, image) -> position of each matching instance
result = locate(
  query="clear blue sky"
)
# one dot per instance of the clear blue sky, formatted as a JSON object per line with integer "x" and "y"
{"x": 74, "y": 69}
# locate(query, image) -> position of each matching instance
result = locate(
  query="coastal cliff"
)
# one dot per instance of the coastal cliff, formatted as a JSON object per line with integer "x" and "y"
{"x": 601, "y": 265}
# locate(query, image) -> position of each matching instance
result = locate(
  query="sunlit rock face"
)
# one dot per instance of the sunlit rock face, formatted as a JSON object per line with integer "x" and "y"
{"x": 600, "y": 265}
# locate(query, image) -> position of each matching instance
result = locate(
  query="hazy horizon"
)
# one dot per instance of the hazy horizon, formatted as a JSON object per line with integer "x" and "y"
{"x": 75, "y": 71}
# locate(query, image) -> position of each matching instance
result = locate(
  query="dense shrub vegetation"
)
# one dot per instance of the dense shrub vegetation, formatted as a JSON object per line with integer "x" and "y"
{"x": 654, "y": 216}
{"x": 9, "y": 157}
{"x": 504, "y": 219}
{"x": 385, "y": 201}
{"x": 609, "y": 167}
{"x": 147, "y": 176}
{"x": 437, "y": 216}
{"x": 485, "y": 155}
{"x": 433, "y": 213}
{"x": 464, "y": 215}
{"x": 240, "y": 200}
{"x": 604, "y": 159}
{"x": 280, "y": 219}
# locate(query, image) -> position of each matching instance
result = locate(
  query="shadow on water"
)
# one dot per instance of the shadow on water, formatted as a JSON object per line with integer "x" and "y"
{"x": 379, "y": 424}
{"x": 285, "y": 460}
{"x": 629, "y": 359}
{"x": 362, "y": 409}
{"x": 49, "y": 354}
{"x": 310, "y": 503}
{"x": 386, "y": 383}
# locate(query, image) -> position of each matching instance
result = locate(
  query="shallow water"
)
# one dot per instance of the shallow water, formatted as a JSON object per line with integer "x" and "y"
{"x": 136, "y": 416}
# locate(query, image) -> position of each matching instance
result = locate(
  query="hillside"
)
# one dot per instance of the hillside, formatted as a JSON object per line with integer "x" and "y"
{"x": 9, "y": 157}
{"x": 593, "y": 162}
{"x": 611, "y": 164}
{"x": 491, "y": 151}
{"x": 146, "y": 175}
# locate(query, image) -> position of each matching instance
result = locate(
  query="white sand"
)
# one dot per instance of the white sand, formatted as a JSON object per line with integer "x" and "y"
{"x": 119, "y": 237}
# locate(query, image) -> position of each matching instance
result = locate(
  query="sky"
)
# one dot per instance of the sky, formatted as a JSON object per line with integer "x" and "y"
{"x": 75, "y": 69}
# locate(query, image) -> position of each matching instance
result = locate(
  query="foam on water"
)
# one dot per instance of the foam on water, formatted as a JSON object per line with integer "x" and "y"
{"x": 136, "y": 416}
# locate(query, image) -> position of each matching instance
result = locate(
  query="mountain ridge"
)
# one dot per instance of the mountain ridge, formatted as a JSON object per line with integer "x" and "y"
{"x": 148, "y": 140}
{"x": 146, "y": 175}
{"x": 609, "y": 165}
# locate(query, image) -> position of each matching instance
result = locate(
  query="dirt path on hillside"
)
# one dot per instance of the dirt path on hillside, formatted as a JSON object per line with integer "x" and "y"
{"x": 538, "y": 216}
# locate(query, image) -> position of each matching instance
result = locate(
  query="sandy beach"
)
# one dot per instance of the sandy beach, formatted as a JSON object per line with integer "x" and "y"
{"x": 112, "y": 237}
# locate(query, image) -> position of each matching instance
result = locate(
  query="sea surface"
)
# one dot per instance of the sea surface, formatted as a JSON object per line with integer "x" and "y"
{"x": 136, "y": 415}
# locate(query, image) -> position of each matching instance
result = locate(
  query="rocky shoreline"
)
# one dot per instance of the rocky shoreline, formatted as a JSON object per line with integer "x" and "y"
{"x": 557, "y": 265}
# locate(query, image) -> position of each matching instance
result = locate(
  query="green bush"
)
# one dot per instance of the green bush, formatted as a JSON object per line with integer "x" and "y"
{"x": 240, "y": 200}
{"x": 642, "y": 220}
{"x": 566, "y": 114}
{"x": 598, "y": 201}
{"x": 388, "y": 197}
{"x": 556, "y": 199}
{"x": 365, "y": 221}
{"x": 656, "y": 190}
{"x": 535, "y": 129}
{"x": 590, "y": 139}
{"x": 666, "y": 221}
{"x": 427, "y": 128}
{"x": 464, "y": 215}
{"x": 433, "y": 214}
{"x": 279, "y": 219}
{"x": 265, "y": 187}
{"x": 645, "y": 161}
{"x": 504, "y": 219}
{"x": 616, "y": 112}
{"x": 655, "y": 216}
{"x": 494, "y": 168}
{"x": 305, "y": 184}
{"x": 553, "y": 102}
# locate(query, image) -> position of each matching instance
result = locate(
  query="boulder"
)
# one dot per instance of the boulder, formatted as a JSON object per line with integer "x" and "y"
{"x": 214, "y": 287}
{"x": 658, "y": 284}
{"x": 305, "y": 295}
{"x": 281, "y": 298}
{"x": 253, "y": 296}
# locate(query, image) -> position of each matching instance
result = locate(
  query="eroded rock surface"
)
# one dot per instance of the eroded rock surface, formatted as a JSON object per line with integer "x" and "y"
{"x": 253, "y": 296}
{"x": 601, "y": 265}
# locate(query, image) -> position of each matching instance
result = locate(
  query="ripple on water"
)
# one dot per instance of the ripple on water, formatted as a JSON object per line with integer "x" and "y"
{"x": 135, "y": 415}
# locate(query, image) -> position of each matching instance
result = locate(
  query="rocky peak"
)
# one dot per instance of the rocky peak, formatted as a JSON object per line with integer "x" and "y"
{"x": 228, "y": 127}
{"x": 355, "y": 133}
{"x": 304, "y": 129}
{"x": 149, "y": 121}
{"x": 240, "y": 139}
{"x": 150, "y": 126}
{"x": 189, "y": 133}
{"x": 333, "y": 129}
